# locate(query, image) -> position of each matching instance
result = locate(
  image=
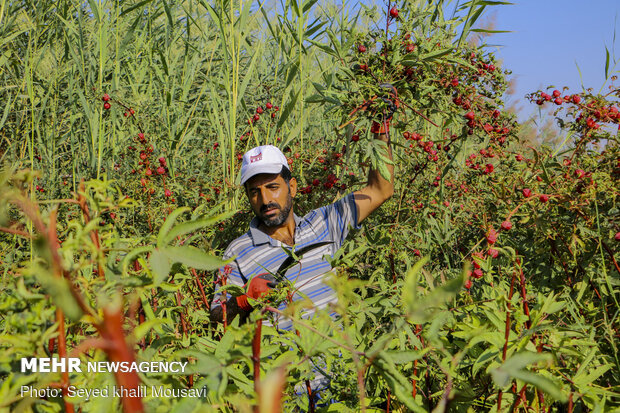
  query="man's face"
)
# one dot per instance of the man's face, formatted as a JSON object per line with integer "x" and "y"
{"x": 271, "y": 198}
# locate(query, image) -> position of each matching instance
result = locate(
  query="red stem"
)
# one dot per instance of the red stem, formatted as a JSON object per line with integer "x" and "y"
{"x": 118, "y": 350}
{"x": 256, "y": 360}
{"x": 611, "y": 255}
{"x": 62, "y": 353}
{"x": 202, "y": 290}
{"x": 183, "y": 322}
{"x": 94, "y": 234}
{"x": 506, "y": 334}
{"x": 526, "y": 308}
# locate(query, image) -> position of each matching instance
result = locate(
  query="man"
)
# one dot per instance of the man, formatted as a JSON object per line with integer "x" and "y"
{"x": 259, "y": 258}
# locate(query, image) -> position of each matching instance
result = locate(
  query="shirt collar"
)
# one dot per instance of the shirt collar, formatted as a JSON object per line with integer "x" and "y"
{"x": 259, "y": 237}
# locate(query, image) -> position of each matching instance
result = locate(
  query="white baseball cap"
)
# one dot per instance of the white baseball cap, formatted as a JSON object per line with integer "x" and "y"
{"x": 266, "y": 159}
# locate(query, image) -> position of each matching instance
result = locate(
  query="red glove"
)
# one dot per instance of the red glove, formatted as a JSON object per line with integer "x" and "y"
{"x": 258, "y": 287}
{"x": 382, "y": 127}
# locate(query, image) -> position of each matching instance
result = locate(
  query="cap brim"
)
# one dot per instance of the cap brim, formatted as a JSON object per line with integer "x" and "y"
{"x": 273, "y": 168}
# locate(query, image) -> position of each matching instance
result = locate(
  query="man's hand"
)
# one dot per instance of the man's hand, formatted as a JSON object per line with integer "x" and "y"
{"x": 258, "y": 287}
{"x": 392, "y": 106}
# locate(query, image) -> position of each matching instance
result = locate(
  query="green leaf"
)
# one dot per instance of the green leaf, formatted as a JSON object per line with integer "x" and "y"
{"x": 60, "y": 290}
{"x": 435, "y": 54}
{"x": 307, "y": 5}
{"x": 132, "y": 255}
{"x": 193, "y": 258}
{"x": 168, "y": 225}
{"x": 400, "y": 386}
{"x": 135, "y": 6}
{"x": 222, "y": 351}
{"x": 314, "y": 27}
{"x": 249, "y": 71}
{"x": 191, "y": 226}
{"x": 289, "y": 108}
{"x": 490, "y": 31}
{"x": 168, "y": 15}
{"x": 590, "y": 378}
{"x": 141, "y": 330}
{"x": 606, "y": 63}
{"x": 163, "y": 61}
{"x": 542, "y": 383}
{"x": 406, "y": 356}
{"x": 160, "y": 266}
{"x": 330, "y": 51}
{"x": 94, "y": 9}
{"x": 150, "y": 315}
{"x": 515, "y": 368}
{"x": 423, "y": 309}
{"x": 296, "y": 7}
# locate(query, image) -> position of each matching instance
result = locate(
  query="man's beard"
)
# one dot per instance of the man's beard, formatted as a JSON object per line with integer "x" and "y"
{"x": 279, "y": 218}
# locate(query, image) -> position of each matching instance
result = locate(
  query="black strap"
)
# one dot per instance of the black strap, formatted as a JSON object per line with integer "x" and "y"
{"x": 290, "y": 260}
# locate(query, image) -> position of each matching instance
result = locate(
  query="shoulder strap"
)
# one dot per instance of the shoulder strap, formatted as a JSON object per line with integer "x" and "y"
{"x": 290, "y": 261}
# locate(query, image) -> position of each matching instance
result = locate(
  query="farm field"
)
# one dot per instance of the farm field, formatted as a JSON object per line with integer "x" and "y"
{"x": 489, "y": 280}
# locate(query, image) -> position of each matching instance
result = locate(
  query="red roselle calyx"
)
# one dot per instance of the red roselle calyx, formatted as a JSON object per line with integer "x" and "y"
{"x": 491, "y": 236}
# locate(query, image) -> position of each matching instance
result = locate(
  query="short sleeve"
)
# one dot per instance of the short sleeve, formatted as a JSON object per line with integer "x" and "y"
{"x": 341, "y": 217}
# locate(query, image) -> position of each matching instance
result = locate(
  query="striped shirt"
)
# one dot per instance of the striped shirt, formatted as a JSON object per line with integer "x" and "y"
{"x": 324, "y": 228}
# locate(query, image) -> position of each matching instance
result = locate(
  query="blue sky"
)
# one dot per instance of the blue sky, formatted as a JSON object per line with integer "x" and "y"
{"x": 549, "y": 38}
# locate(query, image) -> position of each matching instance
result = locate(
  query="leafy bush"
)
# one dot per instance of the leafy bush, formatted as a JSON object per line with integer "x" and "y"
{"x": 489, "y": 281}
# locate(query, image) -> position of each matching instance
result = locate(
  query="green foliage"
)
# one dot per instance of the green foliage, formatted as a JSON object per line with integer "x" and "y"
{"x": 442, "y": 305}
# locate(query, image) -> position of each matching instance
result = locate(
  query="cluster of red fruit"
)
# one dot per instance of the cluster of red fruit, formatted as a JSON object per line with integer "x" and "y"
{"x": 107, "y": 105}
{"x": 592, "y": 114}
{"x": 557, "y": 98}
{"x": 260, "y": 111}
{"x": 602, "y": 114}
{"x": 427, "y": 146}
{"x": 477, "y": 257}
{"x": 145, "y": 154}
{"x": 527, "y": 193}
{"x": 481, "y": 65}
{"x": 329, "y": 183}
{"x": 412, "y": 136}
{"x": 106, "y": 100}
{"x": 326, "y": 163}
{"x": 410, "y": 47}
{"x": 496, "y": 131}
{"x": 469, "y": 162}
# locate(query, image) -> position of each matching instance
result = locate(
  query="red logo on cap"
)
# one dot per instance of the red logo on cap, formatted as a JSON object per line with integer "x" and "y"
{"x": 256, "y": 157}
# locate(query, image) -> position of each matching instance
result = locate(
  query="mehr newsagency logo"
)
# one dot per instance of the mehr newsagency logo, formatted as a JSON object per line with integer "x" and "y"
{"x": 72, "y": 365}
{"x": 75, "y": 365}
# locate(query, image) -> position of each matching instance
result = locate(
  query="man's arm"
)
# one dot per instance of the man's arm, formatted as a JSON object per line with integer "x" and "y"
{"x": 378, "y": 189}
